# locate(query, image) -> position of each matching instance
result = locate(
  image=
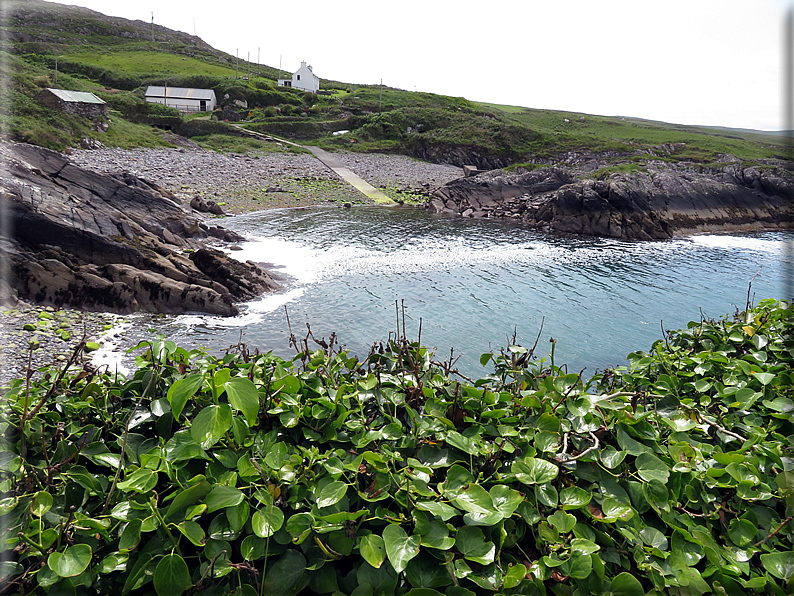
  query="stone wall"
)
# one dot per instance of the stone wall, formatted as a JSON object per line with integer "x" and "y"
{"x": 87, "y": 110}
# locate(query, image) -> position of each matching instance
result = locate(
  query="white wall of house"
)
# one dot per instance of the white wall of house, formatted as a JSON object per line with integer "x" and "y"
{"x": 303, "y": 79}
{"x": 181, "y": 99}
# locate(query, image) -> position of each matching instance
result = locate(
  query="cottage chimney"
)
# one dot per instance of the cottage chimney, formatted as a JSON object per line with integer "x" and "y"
{"x": 310, "y": 67}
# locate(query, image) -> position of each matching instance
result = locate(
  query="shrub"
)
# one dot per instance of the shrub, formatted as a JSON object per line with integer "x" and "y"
{"x": 251, "y": 474}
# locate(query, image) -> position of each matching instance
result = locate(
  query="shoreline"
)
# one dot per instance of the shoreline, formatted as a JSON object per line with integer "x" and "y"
{"x": 301, "y": 182}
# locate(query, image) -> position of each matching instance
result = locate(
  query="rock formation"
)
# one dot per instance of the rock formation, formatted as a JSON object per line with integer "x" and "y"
{"x": 655, "y": 201}
{"x": 112, "y": 243}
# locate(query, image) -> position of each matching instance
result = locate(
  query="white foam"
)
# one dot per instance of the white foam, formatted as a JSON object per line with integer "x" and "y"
{"x": 109, "y": 355}
{"x": 741, "y": 242}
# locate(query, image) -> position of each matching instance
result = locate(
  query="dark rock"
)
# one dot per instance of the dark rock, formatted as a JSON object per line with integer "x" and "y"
{"x": 96, "y": 242}
{"x": 666, "y": 199}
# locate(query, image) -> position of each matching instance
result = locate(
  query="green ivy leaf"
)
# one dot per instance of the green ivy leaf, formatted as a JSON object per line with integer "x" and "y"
{"x": 41, "y": 504}
{"x": 742, "y": 532}
{"x": 72, "y": 561}
{"x": 130, "y": 535}
{"x": 475, "y": 499}
{"x": 458, "y": 478}
{"x": 505, "y": 500}
{"x": 142, "y": 481}
{"x": 625, "y": 584}
{"x": 331, "y": 493}
{"x": 578, "y": 566}
{"x": 472, "y": 544}
{"x": 439, "y": 509}
{"x": 778, "y": 564}
{"x": 650, "y": 467}
{"x": 266, "y": 522}
{"x": 211, "y": 424}
{"x": 574, "y": 497}
{"x": 288, "y": 576}
{"x": 243, "y": 396}
{"x": 253, "y": 548}
{"x": 193, "y": 532}
{"x": 514, "y": 576}
{"x": 400, "y": 548}
{"x": 183, "y": 390}
{"x": 534, "y": 471}
{"x": 223, "y": 496}
{"x": 465, "y": 444}
{"x": 614, "y": 510}
{"x": 186, "y": 498}
{"x": 564, "y": 522}
{"x": 373, "y": 548}
{"x": 171, "y": 576}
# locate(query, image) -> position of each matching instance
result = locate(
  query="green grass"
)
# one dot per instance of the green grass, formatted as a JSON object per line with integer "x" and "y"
{"x": 128, "y": 135}
{"x": 599, "y": 133}
{"x": 149, "y": 63}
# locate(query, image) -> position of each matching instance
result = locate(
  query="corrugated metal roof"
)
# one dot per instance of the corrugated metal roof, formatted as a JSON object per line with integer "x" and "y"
{"x": 180, "y": 93}
{"x": 75, "y": 96}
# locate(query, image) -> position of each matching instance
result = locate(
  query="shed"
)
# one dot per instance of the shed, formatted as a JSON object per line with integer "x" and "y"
{"x": 182, "y": 98}
{"x": 304, "y": 78}
{"x": 80, "y": 103}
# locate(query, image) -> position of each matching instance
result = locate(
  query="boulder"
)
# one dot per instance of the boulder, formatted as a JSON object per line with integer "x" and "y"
{"x": 112, "y": 243}
{"x": 664, "y": 200}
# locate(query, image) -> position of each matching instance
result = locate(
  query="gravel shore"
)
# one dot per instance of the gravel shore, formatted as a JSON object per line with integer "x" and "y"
{"x": 241, "y": 183}
{"x": 43, "y": 336}
{"x": 258, "y": 180}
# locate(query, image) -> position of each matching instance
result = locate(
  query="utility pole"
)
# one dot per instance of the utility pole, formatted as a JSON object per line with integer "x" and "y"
{"x": 248, "y": 61}
{"x": 237, "y": 64}
{"x": 152, "y": 25}
{"x": 56, "y": 70}
{"x": 380, "y": 97}
{"x": 258, "y": 68}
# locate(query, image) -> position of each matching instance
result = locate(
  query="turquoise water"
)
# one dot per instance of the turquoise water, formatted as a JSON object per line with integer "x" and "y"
{"x": 474, "y": 283}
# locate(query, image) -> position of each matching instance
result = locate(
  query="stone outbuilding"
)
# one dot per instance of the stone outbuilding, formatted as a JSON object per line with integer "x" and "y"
{"x": 304, "y": 79}
{"x": 182, "y": 98}
{"x": 79, "y": 103}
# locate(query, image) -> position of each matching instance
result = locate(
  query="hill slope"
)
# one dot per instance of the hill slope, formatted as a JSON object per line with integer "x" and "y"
{"x": 117, "y": 58}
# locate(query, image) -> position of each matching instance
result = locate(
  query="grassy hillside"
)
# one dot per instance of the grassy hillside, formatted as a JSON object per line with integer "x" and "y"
{"x": 116, "y": 59}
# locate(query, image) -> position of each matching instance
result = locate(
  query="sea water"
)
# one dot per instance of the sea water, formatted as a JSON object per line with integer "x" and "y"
{"x": 474, "y": 285}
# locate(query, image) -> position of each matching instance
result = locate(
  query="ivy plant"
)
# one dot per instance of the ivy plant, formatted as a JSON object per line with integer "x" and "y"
{"x": 252, "y": 474}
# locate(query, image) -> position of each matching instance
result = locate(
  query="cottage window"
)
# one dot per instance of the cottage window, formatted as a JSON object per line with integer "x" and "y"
{"x": 299, "y": 77}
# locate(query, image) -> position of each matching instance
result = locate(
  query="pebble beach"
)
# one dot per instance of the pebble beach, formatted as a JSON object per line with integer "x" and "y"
{"x": 34, "y": 336}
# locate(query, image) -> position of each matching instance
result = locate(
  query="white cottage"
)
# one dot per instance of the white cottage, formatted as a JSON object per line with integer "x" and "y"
{"x": 304, "y": 79}
{"x": 183, "y": 99}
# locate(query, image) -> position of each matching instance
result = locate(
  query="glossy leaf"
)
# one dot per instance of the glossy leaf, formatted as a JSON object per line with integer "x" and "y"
{"x": 534, "y": 471}
{"x": 72, "y": 561}
{"x": 779, "y": 564}
{"x": 400, "y": 548}
{"x": 266, "y": 522}
{"x": 211, "y": 424}
{"x": 373, "y": 549}
{"x": 171, "y": 576}
{"x": 181, "y": 391}
{"x": 473, "y": 546}
{"x": 243, "y": 396}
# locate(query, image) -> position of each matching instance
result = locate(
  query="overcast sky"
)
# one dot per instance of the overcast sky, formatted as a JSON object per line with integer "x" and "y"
{"x": 711, "y": 62}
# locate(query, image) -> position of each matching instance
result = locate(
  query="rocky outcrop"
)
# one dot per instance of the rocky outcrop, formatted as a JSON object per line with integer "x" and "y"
{"x": 653, "y": 202}
{"x": 112, "y": 243}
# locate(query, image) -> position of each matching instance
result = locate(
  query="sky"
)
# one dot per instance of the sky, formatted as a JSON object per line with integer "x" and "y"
{"x": 706, "y": 62}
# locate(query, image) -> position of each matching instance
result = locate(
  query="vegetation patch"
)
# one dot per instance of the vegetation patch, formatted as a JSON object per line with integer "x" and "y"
{"x": 325, "y": 474}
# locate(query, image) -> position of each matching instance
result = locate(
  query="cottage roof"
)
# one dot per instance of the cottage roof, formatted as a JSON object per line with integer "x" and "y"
{"x": 75, "y": 96}
{"x": 179, "y": 93}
